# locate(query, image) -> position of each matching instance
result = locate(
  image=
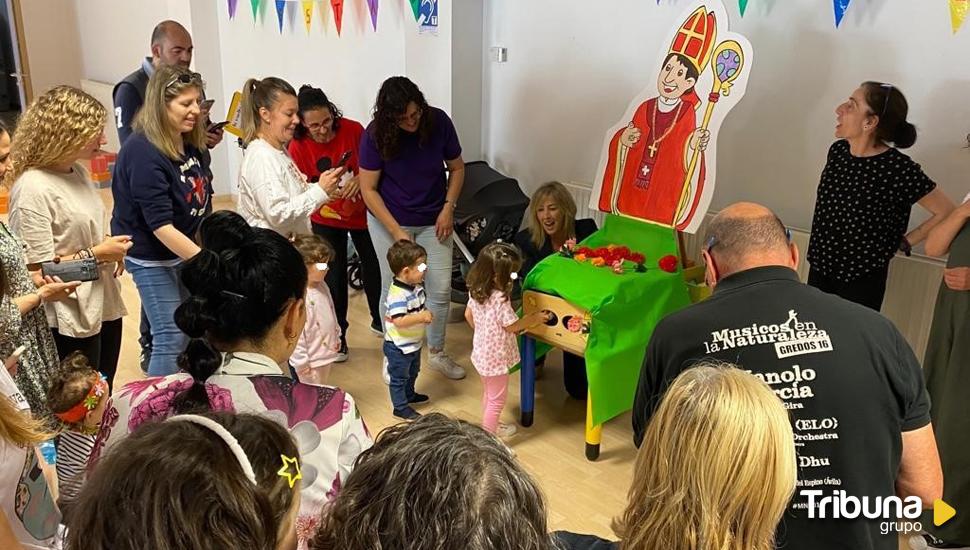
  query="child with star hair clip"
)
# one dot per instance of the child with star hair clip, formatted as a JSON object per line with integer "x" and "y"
{"x": 78, "y": 397}
{"x": 319, "y": 345}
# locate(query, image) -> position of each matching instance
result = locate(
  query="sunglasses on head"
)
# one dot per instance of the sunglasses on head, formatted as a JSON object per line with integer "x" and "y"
{"x": 186, "y": 78}
{"x": 885, "y": 104}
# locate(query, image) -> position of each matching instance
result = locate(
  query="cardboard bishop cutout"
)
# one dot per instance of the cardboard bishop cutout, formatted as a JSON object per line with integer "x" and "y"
{"x": 658, "y": 162}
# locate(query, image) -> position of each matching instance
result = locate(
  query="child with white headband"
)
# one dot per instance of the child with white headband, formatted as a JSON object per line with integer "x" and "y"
{"x": 319, "y": 344}
{"x": 404, "y": 325}
{"x": 495, "y": 325}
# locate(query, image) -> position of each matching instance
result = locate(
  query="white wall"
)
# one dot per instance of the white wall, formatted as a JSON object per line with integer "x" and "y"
{"x": 572, "y": 70}
{"x": 466, "y": 74}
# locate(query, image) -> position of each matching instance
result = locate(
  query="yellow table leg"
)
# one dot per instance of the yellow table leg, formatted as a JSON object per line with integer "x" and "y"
{"x": 594, "y": 434}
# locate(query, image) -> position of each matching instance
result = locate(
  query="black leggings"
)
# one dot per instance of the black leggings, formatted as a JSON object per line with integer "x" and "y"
{"x": 102, "y": 349}
{"x": 868, "y": 291}
{"x": 370, "y": 271}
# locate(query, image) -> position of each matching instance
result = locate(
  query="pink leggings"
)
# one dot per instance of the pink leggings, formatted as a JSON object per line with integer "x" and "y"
{"x": 493, "y": 400}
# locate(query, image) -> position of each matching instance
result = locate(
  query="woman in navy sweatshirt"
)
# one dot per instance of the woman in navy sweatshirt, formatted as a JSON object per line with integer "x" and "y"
{"x": 162, "y": 190}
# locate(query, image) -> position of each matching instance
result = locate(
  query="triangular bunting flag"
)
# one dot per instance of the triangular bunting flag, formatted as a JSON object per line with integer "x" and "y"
{"x": 280, "y": 11}
{"x": 308, "y": 13}
{"x": 416, "y": 8}
{"x": 372, "y": 6}
{"x": 338, "y": 13}
{"x": 232, "y": 8}
{"x": 840, "y": 7}
{"x": 255, "y": 6}
{"x": 958, "y": 12}
{"x": 742, "y": 5}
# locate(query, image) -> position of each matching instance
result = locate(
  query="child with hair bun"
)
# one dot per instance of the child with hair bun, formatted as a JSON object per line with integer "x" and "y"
{"x": 319, "y": 344}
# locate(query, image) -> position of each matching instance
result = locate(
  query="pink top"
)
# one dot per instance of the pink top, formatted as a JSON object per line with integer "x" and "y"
{"x": 320, "y": 341}
{"x": 494, "y": 350}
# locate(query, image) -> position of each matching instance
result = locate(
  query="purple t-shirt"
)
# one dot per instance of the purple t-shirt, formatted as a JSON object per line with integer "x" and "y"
{"x": 413, "y": 183}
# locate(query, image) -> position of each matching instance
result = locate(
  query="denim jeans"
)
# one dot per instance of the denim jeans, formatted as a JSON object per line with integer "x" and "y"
{"x": 161, "y": 293}
{"x": 437, "y": 279}
{"x": 403, "y": 369}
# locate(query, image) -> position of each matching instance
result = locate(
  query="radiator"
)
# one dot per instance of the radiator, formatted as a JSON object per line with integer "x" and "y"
{"x": 910, "y": 290}
{"x": 102, "y": 92}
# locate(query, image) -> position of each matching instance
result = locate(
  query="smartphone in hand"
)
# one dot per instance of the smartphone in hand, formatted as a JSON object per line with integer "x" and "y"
{"x": 217, "y": 126}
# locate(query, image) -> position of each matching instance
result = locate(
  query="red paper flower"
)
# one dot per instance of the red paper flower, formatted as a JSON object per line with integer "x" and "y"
{"x": 637, "y": 258}
{"x": 668, "y": 263}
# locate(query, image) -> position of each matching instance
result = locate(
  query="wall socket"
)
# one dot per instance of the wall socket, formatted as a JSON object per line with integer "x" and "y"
{"x": 499, "y": 54}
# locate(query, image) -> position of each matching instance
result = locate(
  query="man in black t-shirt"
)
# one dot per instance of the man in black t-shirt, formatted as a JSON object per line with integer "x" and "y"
{"x": 854, "y": 389}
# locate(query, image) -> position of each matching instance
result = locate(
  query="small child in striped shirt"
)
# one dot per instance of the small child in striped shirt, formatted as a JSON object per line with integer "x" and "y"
{"x": 78, "y": 397}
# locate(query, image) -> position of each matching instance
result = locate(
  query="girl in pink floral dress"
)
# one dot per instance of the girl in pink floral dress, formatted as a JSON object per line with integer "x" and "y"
{"x": 495, "y": 325}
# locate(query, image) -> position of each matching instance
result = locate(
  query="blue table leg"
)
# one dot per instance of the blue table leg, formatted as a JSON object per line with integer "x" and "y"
{"x": 527, "y": 397}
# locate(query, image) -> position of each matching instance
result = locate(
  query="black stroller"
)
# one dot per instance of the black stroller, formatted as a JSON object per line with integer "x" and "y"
{"x": 490, "y": 207}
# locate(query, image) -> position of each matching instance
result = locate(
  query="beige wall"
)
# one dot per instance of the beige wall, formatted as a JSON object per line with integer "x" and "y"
{"x": 53, "y": 43}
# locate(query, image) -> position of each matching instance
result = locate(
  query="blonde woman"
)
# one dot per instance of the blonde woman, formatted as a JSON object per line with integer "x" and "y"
{"x": 273, "y": 193}
{"x": 162, "y": 189}
{"x": 715, "y": 472}
{"x": 59, "y": 214}
{"x": 550, "y": 222}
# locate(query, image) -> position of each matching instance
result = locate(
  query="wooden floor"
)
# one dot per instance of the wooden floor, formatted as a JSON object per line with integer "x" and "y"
{"x": 581, "y": 496}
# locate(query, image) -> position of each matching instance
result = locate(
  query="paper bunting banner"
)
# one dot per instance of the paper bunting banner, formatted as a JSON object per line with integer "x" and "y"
{"x": 232, "y": 8}
{"x": 840, "y": 7}
{"x": 742, "y": 5}
{"x": 416, "y": 8}
{"x": 958, "y": 12}
{"x": 308, "y": 13}
{"x": 338, "y": 13}
{"x": 280, "y": 11}
{"x": 372, "y": 7}
{"x": 255, "y": 6}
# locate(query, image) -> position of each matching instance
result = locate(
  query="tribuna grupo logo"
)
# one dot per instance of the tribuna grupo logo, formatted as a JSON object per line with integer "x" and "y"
{"x": 899, "y": 515}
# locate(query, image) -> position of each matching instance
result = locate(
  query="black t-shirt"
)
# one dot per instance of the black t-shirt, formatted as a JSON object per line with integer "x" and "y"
{"x": 531, "y": 255}
{"x": 848, "y": 379}
{"x": 574, "y": 541}
{"x": 862, "y": 210}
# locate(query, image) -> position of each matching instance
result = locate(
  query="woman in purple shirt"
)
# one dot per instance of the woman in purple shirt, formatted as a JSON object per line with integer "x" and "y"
{"x": 409, "y": 195}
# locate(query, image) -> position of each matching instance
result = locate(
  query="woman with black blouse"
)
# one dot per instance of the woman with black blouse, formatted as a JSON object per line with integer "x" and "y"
{"x": 865, "y": 195}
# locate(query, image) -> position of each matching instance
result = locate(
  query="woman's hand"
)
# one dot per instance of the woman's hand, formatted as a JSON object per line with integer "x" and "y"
{"x": 55, "y": 290}
{"x": 445, "y": 224}
{"x": 401, "y": 235}
{"x": 957, "y": 278}
{"x": 351, "y": 188}
{"x": 112, "y": 249}
{"x": 328, "y": 181}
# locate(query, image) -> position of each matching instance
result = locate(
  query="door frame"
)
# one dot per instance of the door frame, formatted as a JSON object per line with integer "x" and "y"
{"x": 20, "y": 53}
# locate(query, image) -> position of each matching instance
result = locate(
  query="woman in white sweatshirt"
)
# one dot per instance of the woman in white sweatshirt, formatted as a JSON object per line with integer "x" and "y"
{"x": 273, "y": 193}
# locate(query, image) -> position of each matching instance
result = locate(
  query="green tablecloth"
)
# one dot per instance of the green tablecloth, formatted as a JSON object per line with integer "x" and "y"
{"x": 625, "y": 308}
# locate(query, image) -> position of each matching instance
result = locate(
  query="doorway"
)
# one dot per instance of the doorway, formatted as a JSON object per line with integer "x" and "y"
{"x": 14, "y": 79}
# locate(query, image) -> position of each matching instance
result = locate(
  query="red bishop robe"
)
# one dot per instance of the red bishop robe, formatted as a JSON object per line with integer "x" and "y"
{"x": 656, "y": 195}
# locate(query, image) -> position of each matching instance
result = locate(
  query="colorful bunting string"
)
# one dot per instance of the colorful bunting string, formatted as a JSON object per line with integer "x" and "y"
{"x": 958, "y": 12}
{"x": 372, "y": 7}
{"x": 280, "y": 11}
{"x": 232, "y": 8}
{"x": 416, "y": 8}
{"x": 338, "y": 13}
{"x": 255, "y": 6}
{"x": 742, "y": 5}
{"x": 840, "y": 6}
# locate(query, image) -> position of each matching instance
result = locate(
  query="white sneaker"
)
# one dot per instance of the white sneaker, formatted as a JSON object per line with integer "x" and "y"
{"x": 505, "y": 430}
{"x": 387, "y": 375}
{"x": 444, "y": 364}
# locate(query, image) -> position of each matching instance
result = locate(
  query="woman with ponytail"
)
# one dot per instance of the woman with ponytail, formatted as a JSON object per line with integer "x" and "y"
{"x": 273, "y": 193}
{"x": 244, "y": 315}
{"x": 865, "y": 196}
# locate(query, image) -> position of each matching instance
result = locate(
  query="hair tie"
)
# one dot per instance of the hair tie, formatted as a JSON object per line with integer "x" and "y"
{"x": 227, "y": 437}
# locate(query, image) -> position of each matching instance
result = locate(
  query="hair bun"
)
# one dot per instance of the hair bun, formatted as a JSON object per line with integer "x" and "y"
{"x": 194, "y": 317}
{"x": 905, "y": 135}
{"x": 223, "y": 230}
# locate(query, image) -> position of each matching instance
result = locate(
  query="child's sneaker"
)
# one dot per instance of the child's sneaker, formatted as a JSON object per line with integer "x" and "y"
{"x": 377, "y": 330}
{"x": 419, "y": 398}
{"x": 407, "y": 414}
{"x": 443, "y": 363}
{"x": 386, "y": 374}
{"x": 505, "y": 430}
{"x": 342, "y": 354}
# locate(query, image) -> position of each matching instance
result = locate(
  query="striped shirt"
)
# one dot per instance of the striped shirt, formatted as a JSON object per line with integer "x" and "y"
{"x": 73, "y": 450}
{"x": 404, "y": 299}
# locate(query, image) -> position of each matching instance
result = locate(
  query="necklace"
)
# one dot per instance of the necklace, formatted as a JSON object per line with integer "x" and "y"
{"x": 653, "y": 126}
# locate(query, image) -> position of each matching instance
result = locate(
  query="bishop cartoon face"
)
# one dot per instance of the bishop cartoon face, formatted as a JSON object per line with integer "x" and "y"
{"x": 677, "y": 77}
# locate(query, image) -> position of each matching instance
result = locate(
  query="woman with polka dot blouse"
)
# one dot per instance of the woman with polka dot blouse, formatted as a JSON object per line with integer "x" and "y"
{"x": 865, "y": 195}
